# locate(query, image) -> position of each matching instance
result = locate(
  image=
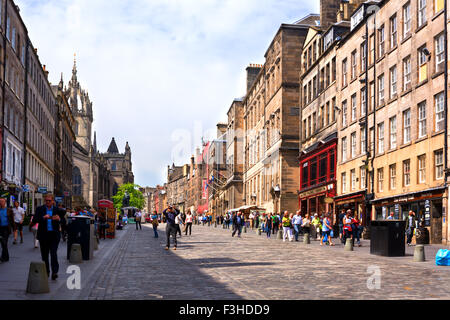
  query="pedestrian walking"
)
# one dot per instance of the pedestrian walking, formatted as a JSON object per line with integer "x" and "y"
{"x": 262, "y": 221}
{"x": 411, "y": 224}
{"x": 341, "y": 224}
{"x": 268, "y": 224}
{"x": 297, "y": 224}
{"x": 326, "y": 230}
{"x": 306, "y": 224}
{"x": 348, "y": 231}
{"x": 356, "y": 225}
{"x": 33, "y": 227}
{"x": 137, "y": 219}
{"x": 316, "y": 226}
{"x": 391, "y": 216}
{"x": 188, "y": 223}
{"x": 102, "y": 225}
{"x": 49, "y": 219}
{"x": 171, "y": 228}
{"x": 19, "y": 216}
{"x": 275, "y": 223}
{"x": 6, "y": 227}
{"x": 286, "y": 222}
{"x": 155, "y": 223}
{"x": 179, "y": 223}
{"x": 238, "y": 223}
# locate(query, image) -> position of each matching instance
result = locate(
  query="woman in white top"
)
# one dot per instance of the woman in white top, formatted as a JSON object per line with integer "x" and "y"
{"x": 188, "y": 222}
{"x": 306, "y": 224}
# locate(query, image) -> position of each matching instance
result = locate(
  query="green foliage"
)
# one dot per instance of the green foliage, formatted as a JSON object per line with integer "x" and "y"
{"x": 136, "y": 197}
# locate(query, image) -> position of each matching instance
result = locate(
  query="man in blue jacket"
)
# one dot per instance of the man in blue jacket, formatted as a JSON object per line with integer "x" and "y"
{"x": 171, "y": 228}
{"x": 50, "y": 219}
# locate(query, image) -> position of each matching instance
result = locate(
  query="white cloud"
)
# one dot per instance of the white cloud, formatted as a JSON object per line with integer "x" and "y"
{"x": 154, "y": 66}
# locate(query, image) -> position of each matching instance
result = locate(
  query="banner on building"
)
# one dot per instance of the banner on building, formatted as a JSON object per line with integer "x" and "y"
{"x": 204, "y": 189}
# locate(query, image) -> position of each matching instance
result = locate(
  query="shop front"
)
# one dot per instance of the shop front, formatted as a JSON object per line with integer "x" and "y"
{"x": 318, "y": 179}
{"x": 426, "y": 205}
{"x": 354, "y": 202}
{"x": 318, "y": 200}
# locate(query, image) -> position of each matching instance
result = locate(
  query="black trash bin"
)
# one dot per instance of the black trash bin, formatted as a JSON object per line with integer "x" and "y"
{"x": 388, "y": 238}
{"x": 80, "y": 229}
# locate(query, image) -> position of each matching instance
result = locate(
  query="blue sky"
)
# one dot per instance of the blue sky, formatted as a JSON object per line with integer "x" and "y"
{"x": 157, "y": 71}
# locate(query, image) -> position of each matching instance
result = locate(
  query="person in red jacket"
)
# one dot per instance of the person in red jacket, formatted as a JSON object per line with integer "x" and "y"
{"x": 347, "y": 222}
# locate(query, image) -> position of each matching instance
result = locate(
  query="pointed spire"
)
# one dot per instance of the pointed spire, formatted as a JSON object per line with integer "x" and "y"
{"x": 61, "y": 83}
{"x": 74, "y": 70}
{"x": 95, "y": 142}
{"x": 113, "y": 147}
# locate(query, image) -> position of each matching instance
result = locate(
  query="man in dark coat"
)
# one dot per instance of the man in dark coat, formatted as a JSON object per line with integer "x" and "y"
{"x": 238, "y": 223}
{"x": 50, "y": 219}
{"x": 171, "y": 228}
{"x": 6, "y": 226}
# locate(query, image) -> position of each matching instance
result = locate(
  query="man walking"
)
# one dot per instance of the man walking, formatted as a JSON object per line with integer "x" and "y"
{"x": 238, "y": 222}
{"x": 297, "y": 222}
{"x": 171, "y": 228}
{"x": 19, "y": 216}
{"x": 6, "y": 225}
{"x": 410, "y": 226}
{"x": 49, "y": 219}
{"x": 137, "y": 218}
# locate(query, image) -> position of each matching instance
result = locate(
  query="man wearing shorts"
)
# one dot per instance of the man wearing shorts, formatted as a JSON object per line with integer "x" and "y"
{"x": 19, "y": 216}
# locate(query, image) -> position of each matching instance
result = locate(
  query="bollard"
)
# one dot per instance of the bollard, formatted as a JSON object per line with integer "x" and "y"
{"x": 245, "y": 229}
{"x": 75, "y": 254}
{"x": 215, "y": 224}
{"x": 348, "y": 245}
{"x": 37, "y": 278}
{"x": 259, "y": 232}
{"x": 280, "y": 234}
{"x": 419, "y": 253}
{"x": 96, "y": 243}
{"x": 306, "y": 239}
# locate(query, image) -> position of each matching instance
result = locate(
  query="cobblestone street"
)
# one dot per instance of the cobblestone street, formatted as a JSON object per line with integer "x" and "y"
{"x": 211, "y": 264}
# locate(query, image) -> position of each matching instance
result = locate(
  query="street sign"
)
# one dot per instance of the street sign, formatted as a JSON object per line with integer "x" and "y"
{"x": 66, "y": 193}
{"x": 42, "y": 189}
{"x": 58, "y": 199}
{"x": 427, "y": 213}
{"x": 26, "y": 188}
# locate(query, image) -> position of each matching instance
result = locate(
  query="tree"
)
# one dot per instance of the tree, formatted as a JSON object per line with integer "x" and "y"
{"x": 136, "y": 197}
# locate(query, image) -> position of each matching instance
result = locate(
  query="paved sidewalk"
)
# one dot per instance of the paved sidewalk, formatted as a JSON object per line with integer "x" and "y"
{"x": 14, "y": 274}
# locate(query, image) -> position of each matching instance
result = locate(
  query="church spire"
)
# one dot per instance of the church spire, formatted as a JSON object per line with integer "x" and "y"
{"x": 74, "y": 70}
{"x": 113, "y": 147}
{"x": 95, "y": 142}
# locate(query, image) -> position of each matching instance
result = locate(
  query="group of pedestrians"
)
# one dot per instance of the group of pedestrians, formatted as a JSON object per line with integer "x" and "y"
{"x": 176, "y": 221}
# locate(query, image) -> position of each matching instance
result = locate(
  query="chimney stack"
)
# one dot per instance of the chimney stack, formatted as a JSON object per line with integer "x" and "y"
{"x": 328, "y": 12}
{"x": 252, "y": 73}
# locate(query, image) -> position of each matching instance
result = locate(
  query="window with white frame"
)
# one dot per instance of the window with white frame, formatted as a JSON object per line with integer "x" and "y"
{"x": 381, "y": 39}
{"x": 393, "y": 79}
{"x": 344, "y": 72}
{"x": 422, "y": 12}
{"x": 421, "y": 168}
{"x": 353, "y": 144}
{"x": 439, "y": 164}
{"x": 393, "y": 26}
{"x": 344, "y": 149}
{"x": 363, "y": 177}
{"x": 393, "y": 176}
{"x": 344, "y": 113}
{"x": 406, "y": 173}
{"x": 363, "y": 102}
{"x": 381, "y": 90}
{"x": 406, "y": 126}
{"x": 353, "y": 179}
{"x": 354, "y": 107}
{"x": 353, "y": 62}
{"x": 381, "y": 137}
{"x": 380, "y": 179}
{"x": 439, "y": 104}
{"x": 422, "y": 116}
{"x": 393, "y": 132}
{"x": 440, "y": 52}
{"x": 423, "y": 70}
{"x": 407, "y": 74}
{"x": 363, "y": 56}
{"x": 344, "y": 182}
{"x": 363, "y": 140}
{"x": 406, "y": 20}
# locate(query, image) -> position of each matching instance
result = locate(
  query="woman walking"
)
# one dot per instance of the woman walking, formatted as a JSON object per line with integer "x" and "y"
{"x": 155, "y": 223}
{"x": 188, "y": 222}
{"x": 287, "y": 232}
{"x": 306, "y": 224}
{"x": 326, "y": 230}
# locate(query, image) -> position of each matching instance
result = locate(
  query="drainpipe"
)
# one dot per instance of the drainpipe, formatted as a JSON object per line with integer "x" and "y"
{"x": 446, "y": 117}
{"x": 5, "y": 17}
